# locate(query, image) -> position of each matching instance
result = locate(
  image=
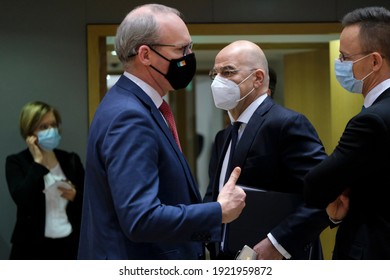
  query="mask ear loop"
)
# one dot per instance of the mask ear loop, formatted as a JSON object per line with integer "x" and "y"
{"x": 245, "y": 95}
{"x": 361, "y": 59}
{"x": 367, "y": 75}
{"x": 242, "y": 98}
{"x": 246, "y": 78}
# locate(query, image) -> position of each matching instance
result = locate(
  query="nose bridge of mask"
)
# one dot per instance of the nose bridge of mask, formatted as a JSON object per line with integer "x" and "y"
{"x": 225, "y": 81}
{"x": 47, "y": 132}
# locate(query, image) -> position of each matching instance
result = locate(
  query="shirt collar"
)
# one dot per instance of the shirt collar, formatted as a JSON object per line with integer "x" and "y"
{"x": 151, "y": 92}
{"x": 373, "y": 94}
{"x": 247, "y": 114}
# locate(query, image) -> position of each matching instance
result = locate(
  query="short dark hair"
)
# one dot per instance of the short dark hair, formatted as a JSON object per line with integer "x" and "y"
{"x": 374, "y": 23}
{"x": 272, "y": 80}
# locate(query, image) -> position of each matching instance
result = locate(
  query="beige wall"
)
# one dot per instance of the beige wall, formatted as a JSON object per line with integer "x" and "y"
{"x": 306, "y": 88}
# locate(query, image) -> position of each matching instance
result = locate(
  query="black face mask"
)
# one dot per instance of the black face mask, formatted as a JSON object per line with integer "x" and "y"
{"x": 180, "y": 71}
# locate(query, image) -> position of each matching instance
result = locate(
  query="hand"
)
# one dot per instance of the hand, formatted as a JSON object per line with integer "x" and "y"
{"x": 68, "y": 193}
{"x": 231, "y": 198}
{"x": 338, "y": 209}
{"x": 34, "y": 149}
{"x": 266, "y": 250}
{"x": 45, "y": 158}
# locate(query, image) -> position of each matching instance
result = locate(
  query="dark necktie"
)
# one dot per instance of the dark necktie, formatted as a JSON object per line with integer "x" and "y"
{"x": 229, "y": 169}
{"x": 234, "y": 138}
{"x": 168, "y": 115}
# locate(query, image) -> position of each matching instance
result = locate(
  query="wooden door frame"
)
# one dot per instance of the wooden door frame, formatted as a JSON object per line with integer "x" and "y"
{"x": 96, "y": 34}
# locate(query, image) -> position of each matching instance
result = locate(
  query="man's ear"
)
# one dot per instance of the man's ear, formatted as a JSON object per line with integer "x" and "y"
{"x": 144, "y": 54}
{"x": 260, "y": 75}
{"x": 377, "y": 61}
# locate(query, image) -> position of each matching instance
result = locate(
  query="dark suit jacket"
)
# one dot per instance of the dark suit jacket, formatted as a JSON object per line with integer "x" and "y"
{"x": 278, "y": 147}
{"x": 361, "y": 161}
{"x": 141, "y": 200}
{"x": 26, "y": 185}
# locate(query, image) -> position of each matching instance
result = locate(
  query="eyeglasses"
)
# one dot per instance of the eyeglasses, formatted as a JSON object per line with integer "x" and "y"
{"x": 45, "y": 126}
{"x": 343, "y": 57}
{"x": 226, "y": 72}
{"x": 185, "y": 49}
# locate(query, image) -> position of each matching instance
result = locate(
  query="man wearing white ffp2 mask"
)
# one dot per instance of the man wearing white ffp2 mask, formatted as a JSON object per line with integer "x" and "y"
{"x": 274, "y": 146}
{"x": 226, "y": 93}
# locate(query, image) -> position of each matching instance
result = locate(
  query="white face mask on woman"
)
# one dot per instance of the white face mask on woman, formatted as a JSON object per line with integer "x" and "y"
{"x": 226, "y": 93}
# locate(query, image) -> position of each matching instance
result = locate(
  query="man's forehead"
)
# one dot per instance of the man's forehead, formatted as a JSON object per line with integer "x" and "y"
{"x": 226, "y": 61}
{"x": 225, "y": 66}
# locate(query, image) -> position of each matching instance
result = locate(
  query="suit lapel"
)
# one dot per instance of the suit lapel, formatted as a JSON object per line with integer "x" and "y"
{"x": 150, "y": 106}
{"x": 250, "y": 132}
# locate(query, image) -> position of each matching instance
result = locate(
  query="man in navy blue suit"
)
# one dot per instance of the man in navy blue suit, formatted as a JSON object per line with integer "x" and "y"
{"x": 356, "y": 175}
{"x": 141, "y": 200}
{"x": 276, "y": 147}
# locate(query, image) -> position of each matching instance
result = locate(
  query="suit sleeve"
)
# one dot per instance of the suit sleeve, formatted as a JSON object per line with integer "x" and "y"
{"x": 153, "y": 197}
{"x": 355, "y": 156}
{"x": 301, "y": 151}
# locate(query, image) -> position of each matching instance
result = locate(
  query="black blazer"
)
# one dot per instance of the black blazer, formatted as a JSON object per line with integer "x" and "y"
{"x": 361, "y": 161}
{"x": 278, "y": 147}
{"x": 26, "y": 185}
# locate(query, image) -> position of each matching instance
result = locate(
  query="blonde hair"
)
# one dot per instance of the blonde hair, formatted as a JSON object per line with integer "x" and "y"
{"x": 32, "y": 114}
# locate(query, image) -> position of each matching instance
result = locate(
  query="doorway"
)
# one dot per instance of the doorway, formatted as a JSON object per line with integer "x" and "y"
{"x": 194, "y": 110}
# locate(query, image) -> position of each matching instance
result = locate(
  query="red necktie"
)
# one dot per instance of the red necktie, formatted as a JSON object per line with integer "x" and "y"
{"x": 168, "y": 115}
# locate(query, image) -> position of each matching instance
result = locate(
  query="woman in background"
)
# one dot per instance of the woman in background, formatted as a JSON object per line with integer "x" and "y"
{"x": 47, "y": 186}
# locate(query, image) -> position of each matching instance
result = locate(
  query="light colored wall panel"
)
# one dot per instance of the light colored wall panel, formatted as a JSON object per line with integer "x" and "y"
{"x": 307, "y": 90}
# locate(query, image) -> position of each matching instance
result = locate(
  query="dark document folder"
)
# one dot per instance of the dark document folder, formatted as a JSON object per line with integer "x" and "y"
{"x": 263, "y": 211}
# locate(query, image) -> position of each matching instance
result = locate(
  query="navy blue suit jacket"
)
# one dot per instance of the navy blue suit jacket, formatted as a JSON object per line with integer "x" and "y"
{"x": 360, "y": 162}
{"x": 278, "y": 147}
{"x": 141, "y": 200}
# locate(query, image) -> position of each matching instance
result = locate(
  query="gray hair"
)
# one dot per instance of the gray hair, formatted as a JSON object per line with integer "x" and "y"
{"x": 139, "y": 28}
{"x": 374, "y": 23}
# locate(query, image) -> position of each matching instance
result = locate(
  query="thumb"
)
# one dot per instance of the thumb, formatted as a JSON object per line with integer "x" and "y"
{"x": 233, "y": 177}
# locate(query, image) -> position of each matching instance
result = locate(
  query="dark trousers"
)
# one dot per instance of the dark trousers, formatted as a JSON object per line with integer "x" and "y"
{"x": 46, "y": 249}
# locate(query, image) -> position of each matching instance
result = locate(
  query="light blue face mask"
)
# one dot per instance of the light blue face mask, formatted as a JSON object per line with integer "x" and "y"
{"x": 49, "y": 139}
{"x": 344, "y": 75}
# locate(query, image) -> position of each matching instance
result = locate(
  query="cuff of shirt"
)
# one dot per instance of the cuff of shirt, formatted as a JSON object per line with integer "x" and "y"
{"x": 336, "y": 222}
{"x": 278, "y": 246}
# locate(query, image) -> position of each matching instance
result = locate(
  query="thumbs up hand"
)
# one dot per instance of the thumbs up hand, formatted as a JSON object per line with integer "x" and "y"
{"x": 231, "y": 198}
